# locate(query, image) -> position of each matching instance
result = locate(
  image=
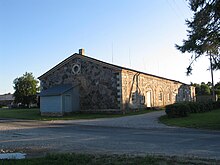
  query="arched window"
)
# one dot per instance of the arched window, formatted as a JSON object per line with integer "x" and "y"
{"x": 160, "y": 98}
{"x": 133, "y": 97}
{"x": 168, "y": 97}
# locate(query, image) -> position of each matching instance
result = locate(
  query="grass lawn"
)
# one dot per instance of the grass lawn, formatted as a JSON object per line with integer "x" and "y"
{"x": 85, "y": 159}
{"x": 206, "y": 120}
{"x": 34, "y": 114}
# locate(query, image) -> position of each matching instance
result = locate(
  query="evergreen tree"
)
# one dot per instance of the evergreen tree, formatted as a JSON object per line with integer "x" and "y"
{"x": 204, "y": 32}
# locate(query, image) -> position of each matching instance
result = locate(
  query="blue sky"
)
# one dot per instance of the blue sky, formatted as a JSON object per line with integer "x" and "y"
{"x": 35, "y": 35}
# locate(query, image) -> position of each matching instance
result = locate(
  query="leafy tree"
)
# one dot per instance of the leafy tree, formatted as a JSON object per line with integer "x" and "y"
{"x": 209, "y": 84}
{"x": 197, "y": 88}
{"x": 217, "y": 89}
{"x": 26, "y": 88}
{"x": 204, "y": 32}
{"x": 202, "y": 89}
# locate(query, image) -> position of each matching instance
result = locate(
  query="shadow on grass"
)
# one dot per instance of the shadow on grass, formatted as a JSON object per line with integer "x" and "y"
{"x": 206, "y": 120}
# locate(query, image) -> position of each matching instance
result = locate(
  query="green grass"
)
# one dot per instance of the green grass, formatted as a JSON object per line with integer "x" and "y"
{"x": 85, "y": 159}
{"x": 34, "y": 114}
{"x": 206, "y": 120}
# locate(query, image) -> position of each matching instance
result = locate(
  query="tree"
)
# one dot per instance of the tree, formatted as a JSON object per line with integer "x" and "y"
{"x": 26, "y": 88}
{"x": 209, "y": 84}
{"x": 204, "y": 33}
{"x": 197, "y": 88}
{"x": 205, "y": 89}
{"x": 202, "y": 89}
{"x": 217, "y": 89}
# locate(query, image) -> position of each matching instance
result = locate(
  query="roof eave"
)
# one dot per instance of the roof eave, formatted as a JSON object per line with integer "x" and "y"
{"x": 80, "y": 56}
{"x": 117, "y": 68}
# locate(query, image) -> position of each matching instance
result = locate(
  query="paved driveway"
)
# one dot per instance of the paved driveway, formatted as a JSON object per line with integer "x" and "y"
{"x": 140, "y": 134}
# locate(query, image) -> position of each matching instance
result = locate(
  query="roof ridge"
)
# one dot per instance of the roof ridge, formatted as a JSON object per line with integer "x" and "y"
{"x": 103, "y": 62}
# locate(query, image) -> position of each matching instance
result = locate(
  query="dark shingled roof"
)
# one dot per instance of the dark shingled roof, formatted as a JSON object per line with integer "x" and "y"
{"x": 56, "y": 90}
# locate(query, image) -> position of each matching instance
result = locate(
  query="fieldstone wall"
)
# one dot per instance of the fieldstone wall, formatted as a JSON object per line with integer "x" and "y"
{"x": 98, "y": 83}
{"x": 105, "y": 87}
{"x": 141, "y": 90}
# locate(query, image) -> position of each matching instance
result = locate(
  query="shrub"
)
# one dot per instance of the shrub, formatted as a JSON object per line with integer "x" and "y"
{"x": 201, "y": 107}
{"x": 194, "y": 107}
{"x": 209, "y": 106}
{"x": 216, "y": 105}
{"x": 205, "y": 106}
{"x": 177, "y": 110}
{"x": 182, "y": 109}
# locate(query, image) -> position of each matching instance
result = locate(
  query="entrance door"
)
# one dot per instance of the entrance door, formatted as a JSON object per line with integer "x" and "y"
{"x": 67, "y": 103}
{"x": 148, "y": 99}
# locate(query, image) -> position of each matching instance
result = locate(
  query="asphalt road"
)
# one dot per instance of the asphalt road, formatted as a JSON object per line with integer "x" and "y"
{"x": 126, "y": 135}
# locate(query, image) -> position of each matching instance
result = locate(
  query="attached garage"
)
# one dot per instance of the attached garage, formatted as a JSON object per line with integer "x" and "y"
{"x": 59, "y": 100}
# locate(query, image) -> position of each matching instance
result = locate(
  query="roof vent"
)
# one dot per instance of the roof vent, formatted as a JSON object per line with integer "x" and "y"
{"x": 82, "y": 51}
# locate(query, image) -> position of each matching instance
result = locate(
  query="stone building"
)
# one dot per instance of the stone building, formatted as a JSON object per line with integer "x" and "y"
{"x": 94, "y": 86}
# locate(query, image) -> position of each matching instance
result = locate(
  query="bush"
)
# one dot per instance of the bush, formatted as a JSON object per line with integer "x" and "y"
{"x": 194, "y": 107}
{"x": 184, "y": 108}
{"x": 205, "y": 106}
{"x": 216, "y": 105}
{"x": 177, "y": 110}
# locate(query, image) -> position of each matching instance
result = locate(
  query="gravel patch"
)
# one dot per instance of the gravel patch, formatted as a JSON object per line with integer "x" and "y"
{"x": 143, "y": 121}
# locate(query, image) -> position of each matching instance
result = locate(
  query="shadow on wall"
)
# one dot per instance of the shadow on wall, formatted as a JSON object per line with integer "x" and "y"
{"x": 185, "y": 93}
{"x": 137, "y": 98}
{"x": 150, "y": 96}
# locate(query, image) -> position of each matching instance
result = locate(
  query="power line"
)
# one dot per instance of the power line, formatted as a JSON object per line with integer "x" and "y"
{"x": 179, "y": 8}
{"x": 129, "y": 57}
{"x": 112, "y": 52}
{"x": 175, "y": 12}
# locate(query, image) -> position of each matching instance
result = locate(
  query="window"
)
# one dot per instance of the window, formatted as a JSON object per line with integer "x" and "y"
{"x": 184, "y": 94}
{"x": 142, "y": 99}
{"x": 76, "y": 68}
{"x": 133, "y": 98}
{"x": 160, "y": 96}
{"x": 168, "y": 97}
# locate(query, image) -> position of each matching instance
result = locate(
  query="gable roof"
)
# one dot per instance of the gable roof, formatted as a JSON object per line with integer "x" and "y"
{"x": 76, "y": 55}
{"x": 56, "y": 90}
{"x": 116, "y": 67}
